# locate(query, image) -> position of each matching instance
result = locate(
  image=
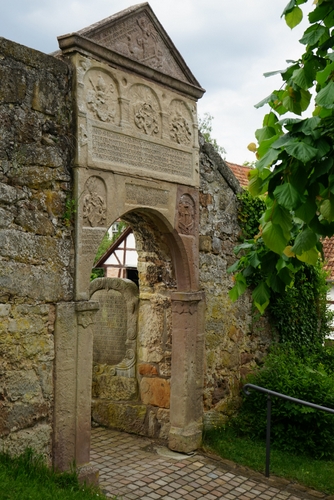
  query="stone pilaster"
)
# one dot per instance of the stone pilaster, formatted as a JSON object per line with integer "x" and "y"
{"x": 186, "y": 406}
{"x": 73, "y": 375}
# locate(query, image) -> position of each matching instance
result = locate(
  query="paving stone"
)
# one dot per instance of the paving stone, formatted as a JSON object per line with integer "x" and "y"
{"x": 132, "y": 473}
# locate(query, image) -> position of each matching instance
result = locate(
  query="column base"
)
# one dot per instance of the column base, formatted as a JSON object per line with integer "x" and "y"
{"x": 88, "y": 474}
{"x": 185, "y": 440}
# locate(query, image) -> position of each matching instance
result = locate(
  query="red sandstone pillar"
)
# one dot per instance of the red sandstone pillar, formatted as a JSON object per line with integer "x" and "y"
{"x": 186, "y": 406}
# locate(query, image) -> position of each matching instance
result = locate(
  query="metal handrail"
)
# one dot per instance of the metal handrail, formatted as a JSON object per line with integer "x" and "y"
{"x": 270, "y": 393}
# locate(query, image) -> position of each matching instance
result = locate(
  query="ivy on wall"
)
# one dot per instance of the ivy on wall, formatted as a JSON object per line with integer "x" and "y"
{"x": 299, "y": 313}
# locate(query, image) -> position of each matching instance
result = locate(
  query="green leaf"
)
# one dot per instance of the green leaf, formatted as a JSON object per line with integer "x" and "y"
{"x": 309, "y": 126}
{"x": 302, "y": 79}
{"x": 322, "y": 147}
{"x": 289, "y": 7}
{"x": 264, "y": 133}
{"x": 327, "y": 210}
{"x": 313, "y": 34}
{"x": 274, "y": 237}
{"x": 266, "y": 100}
{"x": 307, "y": 210}
{"x": 320, "y": 12}
{"x": 310, "y": 257}
{"x": 267, "y": 159}
{"x": 325, "y": 97}
{"x": 275, "y": 283}
{"x": 288, "y": 196}
{"x": 282, "y": 217}
{"x": 270, "y": 120}
{"x": 234, "y": 267}
{"x": 305, "y": 98}
{"x": 302, "y": 151}
{"x": 286, "y": 276}
{"x": 305, "y": 240}
{"x": 322, "y": 76}
{"x": 294, "y": 17}
{"x": 261, "y": 296}
{"x": 239, "y": 287}
{"x": 265, "y": 145}
{"x": 283, "y": 141}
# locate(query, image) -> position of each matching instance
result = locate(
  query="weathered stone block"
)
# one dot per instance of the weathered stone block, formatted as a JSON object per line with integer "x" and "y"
{"x": 8, "y": 194}
{"x": 123, "y": 416}
{"x": 146, "y": 369}
{"x": 163, "y": 417}
{"x": 205, "y": 244}
{"x": 116, "y": 388}
{"x": 13, "y": 85}
{"x": 38, "y": 438}
{"x": 205, "y": 199}
{"x": 23, "y": 385}
{"x": 155, "y": 391}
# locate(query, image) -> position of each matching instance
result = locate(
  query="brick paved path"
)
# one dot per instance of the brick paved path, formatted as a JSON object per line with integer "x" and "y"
{"x": 134, "y": 467}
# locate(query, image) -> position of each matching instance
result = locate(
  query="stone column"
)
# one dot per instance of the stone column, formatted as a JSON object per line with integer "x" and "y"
{"x": 85, "y": 318}
{"x": 186, "y": 406}
{"x": 73, "y": 382}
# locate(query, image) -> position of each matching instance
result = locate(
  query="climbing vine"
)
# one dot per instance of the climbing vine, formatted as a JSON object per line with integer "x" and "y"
{"x": 294, "y": 171}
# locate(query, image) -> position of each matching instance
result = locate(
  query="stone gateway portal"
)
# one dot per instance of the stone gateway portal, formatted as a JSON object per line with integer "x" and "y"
{"x": 136, "y": 159}
{"x": 101, "y": 131}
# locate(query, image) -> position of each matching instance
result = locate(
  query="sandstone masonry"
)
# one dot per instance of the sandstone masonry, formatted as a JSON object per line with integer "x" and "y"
{"x": 36, "y": 249}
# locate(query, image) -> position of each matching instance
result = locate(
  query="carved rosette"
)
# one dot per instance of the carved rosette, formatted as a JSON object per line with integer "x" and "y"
{"x": 146, "y": 119}
{"x": 94, "y": 202}
{"x": 146, "y": 110}
{"x": 101, "y": 96}
{"x": 186, "y": 215}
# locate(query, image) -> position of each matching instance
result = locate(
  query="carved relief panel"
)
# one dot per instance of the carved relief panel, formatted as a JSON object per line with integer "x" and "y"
{"x": 186, "y": 215}
{"x": 94, "y": 202}
{"x": 180, "y": 124}
{"x": 137, "y": 38}
{"x": 145, "y": 111}
{"x": 101, "y": 96}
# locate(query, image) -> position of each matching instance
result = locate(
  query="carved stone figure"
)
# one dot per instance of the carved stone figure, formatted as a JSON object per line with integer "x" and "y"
{"x": 94, "y": 205}
{"x": 180, "y": 131}
{"x": 99, "y": 99}
{"x": 186, "y": 214}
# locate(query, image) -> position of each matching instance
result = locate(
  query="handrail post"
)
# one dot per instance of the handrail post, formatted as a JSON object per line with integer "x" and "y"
{"x": 268, "y": 435}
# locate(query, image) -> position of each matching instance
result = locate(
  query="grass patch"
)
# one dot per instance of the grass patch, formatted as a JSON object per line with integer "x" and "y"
{"x": 316, "y": 474}
{"x": 26, "y": 477}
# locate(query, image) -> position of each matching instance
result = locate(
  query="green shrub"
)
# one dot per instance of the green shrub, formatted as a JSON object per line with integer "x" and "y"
{"x": 295, "y": 428}
{"x": 300, "y": 315}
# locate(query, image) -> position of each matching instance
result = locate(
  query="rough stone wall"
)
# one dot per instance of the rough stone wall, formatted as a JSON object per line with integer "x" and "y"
{"x": 36, "y": 249}
{"x": 143, "y": 407}
{"x": 235, "y": 341}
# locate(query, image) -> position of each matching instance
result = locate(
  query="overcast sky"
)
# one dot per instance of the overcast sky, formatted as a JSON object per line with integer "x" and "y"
{"x": 228, "y": 45}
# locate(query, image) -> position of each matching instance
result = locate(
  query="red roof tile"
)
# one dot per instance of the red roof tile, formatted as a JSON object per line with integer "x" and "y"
{"x": 328, "y": 245}
{"x": 240, "y": 172}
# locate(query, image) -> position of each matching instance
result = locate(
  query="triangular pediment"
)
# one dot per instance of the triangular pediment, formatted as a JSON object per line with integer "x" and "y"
{"x": 137, "y": 34}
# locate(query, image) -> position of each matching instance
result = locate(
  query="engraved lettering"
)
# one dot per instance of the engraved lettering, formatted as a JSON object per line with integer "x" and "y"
{"x": 116, "y": 148}
{"x": 142, "y": 195}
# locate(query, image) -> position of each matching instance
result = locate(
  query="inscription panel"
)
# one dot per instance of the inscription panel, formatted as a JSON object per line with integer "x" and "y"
{"x": 143, "y": 195}
{"x": 111, "y": 147}
{"x": 110, "y": 328}
{"x": 91, "y": 238}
